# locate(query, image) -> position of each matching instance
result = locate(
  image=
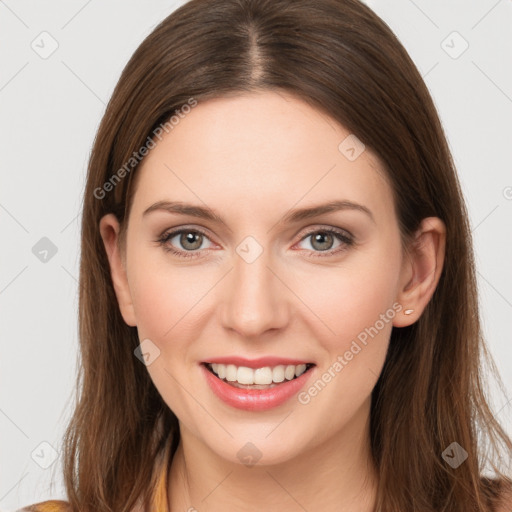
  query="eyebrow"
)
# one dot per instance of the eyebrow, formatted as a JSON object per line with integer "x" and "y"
{"x": 296, "y": 215}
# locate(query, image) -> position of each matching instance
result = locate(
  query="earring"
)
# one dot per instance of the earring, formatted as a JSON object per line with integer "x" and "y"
{"x": 408, "y": 311}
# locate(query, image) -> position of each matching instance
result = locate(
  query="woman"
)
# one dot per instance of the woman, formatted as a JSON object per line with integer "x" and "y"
{"x": 317, "y": 346}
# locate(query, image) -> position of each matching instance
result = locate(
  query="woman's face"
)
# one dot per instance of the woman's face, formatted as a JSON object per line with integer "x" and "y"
{"x": 263, "y": 282}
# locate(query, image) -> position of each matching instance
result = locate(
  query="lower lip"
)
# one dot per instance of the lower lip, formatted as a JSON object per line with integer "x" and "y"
{"x": 255, "y": 399}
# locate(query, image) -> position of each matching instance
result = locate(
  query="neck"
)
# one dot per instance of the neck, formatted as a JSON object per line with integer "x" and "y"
{"x": 337, "y": 475}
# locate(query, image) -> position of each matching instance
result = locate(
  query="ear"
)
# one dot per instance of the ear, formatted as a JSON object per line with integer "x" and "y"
{"x": 109, "y": 229}
{"x": 421, "y": 270}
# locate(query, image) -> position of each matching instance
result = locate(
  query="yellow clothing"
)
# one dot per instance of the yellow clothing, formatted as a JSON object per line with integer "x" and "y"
{"x": 159, "y": 498}
{"x": 47, "y": 506}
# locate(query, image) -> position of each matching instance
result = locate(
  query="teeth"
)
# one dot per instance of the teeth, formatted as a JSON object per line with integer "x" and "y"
{"x": 259, "y": 376}
{"x": 231, "y": 373}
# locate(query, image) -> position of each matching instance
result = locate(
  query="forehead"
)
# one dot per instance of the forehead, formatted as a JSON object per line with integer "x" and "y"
{"x": 255, "y": 150}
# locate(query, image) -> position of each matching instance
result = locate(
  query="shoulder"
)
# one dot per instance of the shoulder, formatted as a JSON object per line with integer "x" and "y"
{"x": 47, "y": 506}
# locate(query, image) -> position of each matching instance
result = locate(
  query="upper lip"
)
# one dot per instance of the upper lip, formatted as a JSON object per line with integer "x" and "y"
{"x": 260, "y": 362}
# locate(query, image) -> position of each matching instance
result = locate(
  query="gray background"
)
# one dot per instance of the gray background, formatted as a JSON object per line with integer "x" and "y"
{"x": 50, "y": 110}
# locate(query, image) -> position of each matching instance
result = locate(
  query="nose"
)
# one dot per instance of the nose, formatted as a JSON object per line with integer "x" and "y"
{"x": 256, "y": 299}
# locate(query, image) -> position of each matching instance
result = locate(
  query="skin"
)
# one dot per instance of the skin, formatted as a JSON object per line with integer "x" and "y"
{"x": 252, "y": 158}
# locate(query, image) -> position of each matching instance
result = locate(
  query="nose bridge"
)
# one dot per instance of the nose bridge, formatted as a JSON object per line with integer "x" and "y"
{"x": 255, "y": 298}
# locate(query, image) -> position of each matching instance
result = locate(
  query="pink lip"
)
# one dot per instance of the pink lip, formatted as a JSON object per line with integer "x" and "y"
{"x": 255, "y": 399}
{"x": 261, "y": 362}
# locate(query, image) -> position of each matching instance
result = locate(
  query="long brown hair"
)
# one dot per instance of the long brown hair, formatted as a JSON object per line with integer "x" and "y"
{"x": 343, "y": 60}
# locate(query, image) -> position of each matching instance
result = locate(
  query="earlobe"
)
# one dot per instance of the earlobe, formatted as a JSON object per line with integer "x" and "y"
{"x": 421, "y": 270}
{"x": 109, "y": 230}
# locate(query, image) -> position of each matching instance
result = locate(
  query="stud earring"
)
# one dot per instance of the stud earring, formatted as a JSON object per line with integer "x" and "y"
{"x": 408, "y": 311}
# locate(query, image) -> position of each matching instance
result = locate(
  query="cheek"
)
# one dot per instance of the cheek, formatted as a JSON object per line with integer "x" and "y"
{"x": 163, "y": 301}
{"x": 354, "y": 306}
{"x": 170, "y": 302}
{"x": 348, "y": 298}
{"x": 352, "y": 358}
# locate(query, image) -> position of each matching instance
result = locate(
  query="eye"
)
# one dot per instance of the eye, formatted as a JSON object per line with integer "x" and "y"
{"x": 322, "y": 241}
{"x": 191, "y": 240}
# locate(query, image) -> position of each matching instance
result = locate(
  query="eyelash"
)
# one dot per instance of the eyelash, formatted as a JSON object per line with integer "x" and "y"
{"x": 346, "y": 239}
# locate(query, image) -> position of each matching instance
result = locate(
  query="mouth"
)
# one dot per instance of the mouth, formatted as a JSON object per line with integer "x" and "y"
{"x": 260, "y": 378}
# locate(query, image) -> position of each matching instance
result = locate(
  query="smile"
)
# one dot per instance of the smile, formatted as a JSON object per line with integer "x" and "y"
{"x": 256, "y": 389}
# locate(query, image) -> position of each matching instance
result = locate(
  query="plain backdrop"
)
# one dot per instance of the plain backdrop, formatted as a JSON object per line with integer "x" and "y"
{"x": 60, "y": 61}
